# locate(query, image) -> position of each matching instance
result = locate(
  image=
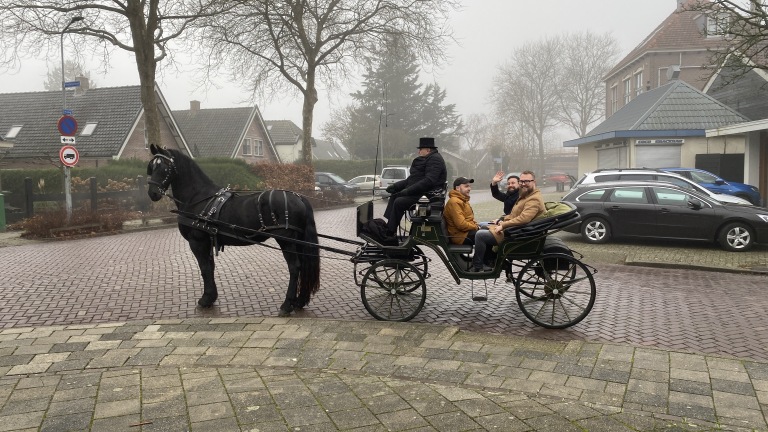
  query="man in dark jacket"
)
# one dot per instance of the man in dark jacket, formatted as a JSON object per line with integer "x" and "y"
{"x": 509, "y": 197}
{"x": 427, "y": 177}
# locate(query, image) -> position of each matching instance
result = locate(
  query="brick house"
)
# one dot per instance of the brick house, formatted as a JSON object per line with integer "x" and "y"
{"x": 681, "y": 44}
{"x": 110, "y": 126}
{"x": 238, "y": 133}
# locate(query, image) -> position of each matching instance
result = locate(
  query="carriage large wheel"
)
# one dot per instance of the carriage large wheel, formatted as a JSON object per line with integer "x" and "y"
{"x": 393, "y": 290}
{"x": 555, "y": 290}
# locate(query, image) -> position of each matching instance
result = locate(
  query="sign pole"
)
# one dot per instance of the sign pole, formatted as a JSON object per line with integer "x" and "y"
{"x": 67, "y": 173}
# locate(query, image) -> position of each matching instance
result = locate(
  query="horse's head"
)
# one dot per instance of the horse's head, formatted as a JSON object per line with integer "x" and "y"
{"x": 160, "y": 172}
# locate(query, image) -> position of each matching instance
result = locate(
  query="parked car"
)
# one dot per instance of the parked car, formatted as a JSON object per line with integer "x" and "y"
{"x": 365, "y": 183}
{"x": 389, "y": 175}
{"x": 327, "y": 181}
{"x": 558, "y": 177}
{"x": 718, "y": 185}
{"x": 650, "y": 174}
{"x": 665, "y": 211}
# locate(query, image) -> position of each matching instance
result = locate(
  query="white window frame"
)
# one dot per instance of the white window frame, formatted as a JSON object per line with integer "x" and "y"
{"x": 88, "y": 129}
{"x": 717, "y": 25}
{"x": 258, "y": 147}
{"x": 627, "y": 90}
{"x": 614, "y": 98}
{"x": 13, "y": 132}
{"x": 638, "y": 83}
{"x": 247, "y": 149}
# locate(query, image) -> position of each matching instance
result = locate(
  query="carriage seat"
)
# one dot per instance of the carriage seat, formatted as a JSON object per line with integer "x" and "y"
{"x": 558, "y": 215}
{"x": 453, "y": 248}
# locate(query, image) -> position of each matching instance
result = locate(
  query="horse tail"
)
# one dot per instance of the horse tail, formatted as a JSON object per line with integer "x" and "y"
{"x": 309, "y": 275}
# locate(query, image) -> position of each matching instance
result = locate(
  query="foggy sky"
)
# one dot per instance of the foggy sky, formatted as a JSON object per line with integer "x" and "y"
{"x": 487, "y": 31}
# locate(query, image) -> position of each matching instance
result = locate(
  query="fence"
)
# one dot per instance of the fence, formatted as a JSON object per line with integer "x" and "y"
{"x": 139, "y": 195}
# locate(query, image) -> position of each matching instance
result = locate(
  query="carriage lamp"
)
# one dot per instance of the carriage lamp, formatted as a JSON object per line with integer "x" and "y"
{"x": 423, "y": 210}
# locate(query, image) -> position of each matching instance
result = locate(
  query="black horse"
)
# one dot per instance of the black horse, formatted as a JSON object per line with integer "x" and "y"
{"x": 211, "y": 217}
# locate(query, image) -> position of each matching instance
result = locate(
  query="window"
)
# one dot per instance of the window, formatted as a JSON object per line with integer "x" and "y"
{"x": 614, "y": 99}
{"x": 629, "y": 196}
{"x": 13, "y": 131}
{"x": 638, "y": 83}
{"x": 258, "y": 147}
{"x": 88, "y": 129}
{"x": 247, "y": 147}
{"x": 595, "y": 195}
{"x": 717, "y": 25}
{"x": 671, "y": 197}
{"x": 702, "y": 177}
{"x": 627, "y": 90}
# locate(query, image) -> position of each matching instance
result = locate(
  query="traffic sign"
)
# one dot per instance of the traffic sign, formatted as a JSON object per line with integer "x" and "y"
{"x": 68, "y": 84}
{"x": 67, "y": 139}
{"x": 66, "y": 112}
{"x": 67, "y": 125}
{"x": 69, "y": 155}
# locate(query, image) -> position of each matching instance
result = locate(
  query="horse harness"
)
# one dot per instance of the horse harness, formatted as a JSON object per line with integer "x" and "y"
{"x": 208, "y": 219}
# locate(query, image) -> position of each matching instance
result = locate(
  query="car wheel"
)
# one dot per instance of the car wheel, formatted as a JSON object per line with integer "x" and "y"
{"x": 595, "y": 230}
{"x": 736, "y": 237}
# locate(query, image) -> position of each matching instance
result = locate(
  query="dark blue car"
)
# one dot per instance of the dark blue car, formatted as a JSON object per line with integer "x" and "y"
{"x": 718, "y": 185}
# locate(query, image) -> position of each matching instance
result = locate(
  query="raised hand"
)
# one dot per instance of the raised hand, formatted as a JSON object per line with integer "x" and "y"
{"x": 497, "y": 178}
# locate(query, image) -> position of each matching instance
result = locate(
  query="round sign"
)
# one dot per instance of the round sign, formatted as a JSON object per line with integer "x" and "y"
{"x": 67, "y": 125}
{"x": 69, "y": 155}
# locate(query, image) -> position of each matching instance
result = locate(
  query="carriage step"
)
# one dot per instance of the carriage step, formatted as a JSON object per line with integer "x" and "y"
{"x": 479, "y": 298}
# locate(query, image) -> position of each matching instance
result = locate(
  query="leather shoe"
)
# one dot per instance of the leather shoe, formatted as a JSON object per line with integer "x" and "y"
{"x": 483, "y": 269}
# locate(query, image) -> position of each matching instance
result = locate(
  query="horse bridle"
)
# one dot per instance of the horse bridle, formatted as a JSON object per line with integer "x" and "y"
{"x": 166, "y": 182}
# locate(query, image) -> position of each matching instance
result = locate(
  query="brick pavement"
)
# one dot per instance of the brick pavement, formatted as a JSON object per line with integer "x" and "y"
{"x": 124, "y": 324}
{"x": 275, "y": 374}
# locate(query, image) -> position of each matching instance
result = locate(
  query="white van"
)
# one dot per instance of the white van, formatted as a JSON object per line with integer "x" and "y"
{"x": 389, "y": 175}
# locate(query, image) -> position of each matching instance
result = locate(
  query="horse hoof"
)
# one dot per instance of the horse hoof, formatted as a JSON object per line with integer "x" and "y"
{"x": 283, "y": 313}
{"x": 205, "y": 302}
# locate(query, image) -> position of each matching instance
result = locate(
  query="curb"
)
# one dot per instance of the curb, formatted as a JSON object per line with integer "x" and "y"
{"x": 640, "y": 263}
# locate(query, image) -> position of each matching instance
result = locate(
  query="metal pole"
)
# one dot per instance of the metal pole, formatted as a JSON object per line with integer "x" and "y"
{"x": 67, "y": 173}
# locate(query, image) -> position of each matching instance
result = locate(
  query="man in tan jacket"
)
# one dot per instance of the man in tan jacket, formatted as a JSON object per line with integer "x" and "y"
{"x": 529, "y": 205}
{"x": 459, "y": 217}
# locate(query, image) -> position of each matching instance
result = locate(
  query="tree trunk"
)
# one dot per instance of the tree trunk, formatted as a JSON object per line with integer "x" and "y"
{"x": 307, "y": 114}
{"x": 142, "y": 34}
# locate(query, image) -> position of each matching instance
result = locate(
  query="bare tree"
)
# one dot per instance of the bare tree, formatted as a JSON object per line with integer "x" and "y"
{"x": 72, "y": 70}
{"x": 525, "y": 90}
{"x": 476, "y": 132}
{"x": 142, "y": 27}
{"x": 586, "y": 58}
{"x": 297, "y": 44}
{"x": 744, "y": 24}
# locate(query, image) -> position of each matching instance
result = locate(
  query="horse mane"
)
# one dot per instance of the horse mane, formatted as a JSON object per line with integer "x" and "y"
{"x": 187, "y": 167}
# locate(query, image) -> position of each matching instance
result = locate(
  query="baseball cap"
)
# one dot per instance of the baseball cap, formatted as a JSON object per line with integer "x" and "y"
{"x": 462, "y": 180}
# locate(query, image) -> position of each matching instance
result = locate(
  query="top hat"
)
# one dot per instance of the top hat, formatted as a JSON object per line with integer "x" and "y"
{"x": 426, "y": 143}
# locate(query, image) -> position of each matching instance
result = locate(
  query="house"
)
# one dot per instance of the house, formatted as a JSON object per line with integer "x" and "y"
{"x": 328, "y": 150}
{"x": 238, "y": 133}
{"x": 663, "y": 127}
{"x": 110, "y": 124}
{"x": 287, "y": 138}
{"x": 682, "y": 42}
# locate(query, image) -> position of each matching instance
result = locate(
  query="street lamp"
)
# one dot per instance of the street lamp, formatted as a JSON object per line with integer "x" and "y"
{"x": 67, "y": 173}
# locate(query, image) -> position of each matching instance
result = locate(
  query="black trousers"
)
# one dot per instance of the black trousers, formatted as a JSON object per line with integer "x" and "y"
{"x": 396, "y": 208}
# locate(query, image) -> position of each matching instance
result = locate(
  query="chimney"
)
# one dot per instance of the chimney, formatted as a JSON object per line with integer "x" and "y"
{"x": 84, "y": 85}
{"x": 194, "y": 106}
{"x": 673, "y": 73}
{"x": 681, "y": 5}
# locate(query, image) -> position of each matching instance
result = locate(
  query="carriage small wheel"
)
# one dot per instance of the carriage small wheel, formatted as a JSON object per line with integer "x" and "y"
{"x": 393, "y": 290}
{"x": 555, "y": 290}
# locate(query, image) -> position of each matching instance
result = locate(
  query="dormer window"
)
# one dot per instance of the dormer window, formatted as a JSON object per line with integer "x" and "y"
{"x": 88, "y": 129}
{"x": 13, "y": 131}
{"x": 717, "y": 25}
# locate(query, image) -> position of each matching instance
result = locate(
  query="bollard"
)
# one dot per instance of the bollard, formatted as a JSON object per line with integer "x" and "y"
{"x": 2, "y": 213}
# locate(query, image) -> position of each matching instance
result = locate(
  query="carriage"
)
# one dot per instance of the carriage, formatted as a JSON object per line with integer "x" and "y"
{"x": 554, "y": 289}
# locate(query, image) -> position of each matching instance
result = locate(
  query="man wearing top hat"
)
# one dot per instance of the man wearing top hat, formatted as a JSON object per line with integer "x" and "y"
{"x": 427, "y": 177}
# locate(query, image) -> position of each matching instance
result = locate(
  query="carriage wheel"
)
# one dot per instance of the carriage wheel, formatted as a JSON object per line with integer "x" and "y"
{"x": 393, "y": 290}
{"x": 555, "y": 290}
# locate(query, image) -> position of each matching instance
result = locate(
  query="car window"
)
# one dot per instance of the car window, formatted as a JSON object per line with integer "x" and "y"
{"x": 593, "y": 195}
{"x": 666, "y": 196}
{"x": 322, "y": 179}
{"x": 635, "y": 195}
{"x": 636, "y": 177}
{"x": 700, "y": 177}
{"x": 336, "y": 178}
{"x": 676, "y": 181}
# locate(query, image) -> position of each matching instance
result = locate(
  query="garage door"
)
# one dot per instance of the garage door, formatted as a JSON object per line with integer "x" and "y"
{"x": 657, "y": 156}
{"x": 612, "y": 158}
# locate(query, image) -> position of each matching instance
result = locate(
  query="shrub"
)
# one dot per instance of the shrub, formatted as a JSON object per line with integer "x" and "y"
{"x": 47, "y": 224}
